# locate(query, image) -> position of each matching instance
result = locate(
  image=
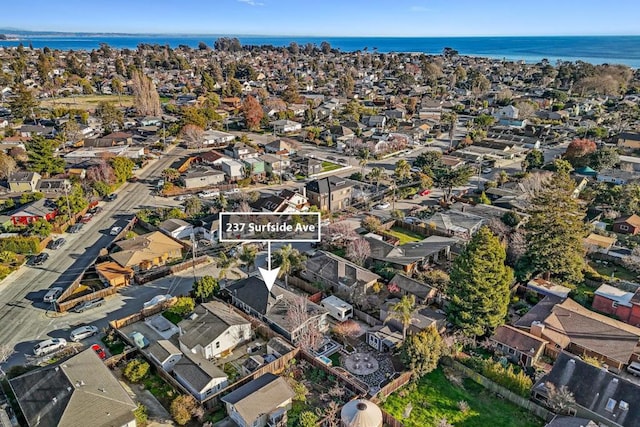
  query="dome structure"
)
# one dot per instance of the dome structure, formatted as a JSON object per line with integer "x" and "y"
{"x": 361, "y": 413}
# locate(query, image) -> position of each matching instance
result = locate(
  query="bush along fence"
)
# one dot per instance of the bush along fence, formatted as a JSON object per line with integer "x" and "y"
{"x": 512, "y": 397}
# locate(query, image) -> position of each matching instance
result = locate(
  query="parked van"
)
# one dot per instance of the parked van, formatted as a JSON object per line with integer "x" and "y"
{"x": 634, "y": 369}
{"x": 52, "y": 295}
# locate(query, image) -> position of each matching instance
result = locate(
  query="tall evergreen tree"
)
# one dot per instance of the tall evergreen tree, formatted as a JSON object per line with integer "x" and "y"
{"x": 479, "y": 287}
{"x": 42, "y": 157}
{"x": 555, "y": 231}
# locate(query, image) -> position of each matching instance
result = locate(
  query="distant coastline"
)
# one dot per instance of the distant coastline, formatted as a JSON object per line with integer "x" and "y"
{"x": 594, "y": 49}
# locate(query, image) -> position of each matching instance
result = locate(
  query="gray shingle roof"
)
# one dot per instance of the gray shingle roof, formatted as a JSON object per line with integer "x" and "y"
{"x": 213, "y": 318}
{"x": 260, "y": 396}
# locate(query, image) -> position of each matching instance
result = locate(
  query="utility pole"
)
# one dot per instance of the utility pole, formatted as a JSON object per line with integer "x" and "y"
{"x": 66, "y": 196}
{"x": 193, "y": 256}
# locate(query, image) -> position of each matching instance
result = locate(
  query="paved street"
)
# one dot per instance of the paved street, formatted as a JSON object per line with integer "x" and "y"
{"x": 24, "y": 319}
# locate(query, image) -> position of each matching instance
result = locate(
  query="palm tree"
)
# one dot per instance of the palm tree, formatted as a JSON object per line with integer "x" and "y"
{"x": 376, "y": 175}
{"x": 225, "y": 264}
{"x": 364, "y": 155}
{"x": 402, "y": 311}
{"x": 171, "y": 174}
{"x": 452, "y": 120}
{"x": 289, "y": 260}
{"x": 248, "y": 256}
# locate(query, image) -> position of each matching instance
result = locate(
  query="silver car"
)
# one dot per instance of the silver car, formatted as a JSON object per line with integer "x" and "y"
{"x": 82, "y": 333}
{"x": 49, "y": 346}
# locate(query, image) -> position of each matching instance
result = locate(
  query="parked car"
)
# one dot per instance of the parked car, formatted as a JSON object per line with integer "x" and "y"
{"x": 139, "y": 340}
{"x": 381, "y": 206}
{"x": 158, "y": 299}
{"x": 343, "y": 161}
{"x": 87, "y": 305}
{"x": 411, "y": 220}
{"x": 57, "y": 243}
{"x": 416, "y": 169}
{"x": 83, "y": 332}
{"x": 181, "y": 198}
{"x": 208, "y": 193}
{"x": 75, "y": 228}
{"x": 40, "y": 259}
{"x": 115, "y": 231}
{"x": 86, "y": 218}
{"x": 487, "y": 170}
{"x": 52, "y": 294}
{"x": 49, "y": 346}
{"x": 232, "y": 191}
{"x": 99, "y": 351}
{"x": 111, "y": 197}
{"x": 425, "y": 192}
{"x": 331, "y": 158}
{"x": 95, "y": 210}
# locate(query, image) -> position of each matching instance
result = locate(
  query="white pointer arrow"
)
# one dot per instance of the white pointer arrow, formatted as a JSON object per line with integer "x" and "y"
{"x": 268, "y": 275}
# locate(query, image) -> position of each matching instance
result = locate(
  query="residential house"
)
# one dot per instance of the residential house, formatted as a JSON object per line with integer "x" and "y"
{"x": 422, "y": 318}
{"x": 275, "y": 164}
{"x": 281, "y": 147}
{"x": 216, "y": 138}
{"x": 241, "y": 151}
{"x": 285, "y": 126}
{"x": 629, "y": 140}
{"x": 23, "y": 182}
{"x": 598, "y": 394}
{"x": 164, "y": 354}
{"x": 519, "y": 346}
{"x": 538, "y": 313}
{"x": 580, "y": 331}
{"x": 338, "y": 273}
{"x": 233, "y": 169}
{"x": 201, "y": 377}
{"x": 627, "y": 224}
{"x": 286, "y": 202}
{"x": 113, "y": 274}
{"x": 509, "y": 112}
{"x": 383, "y": 338}
{"x": 214, "y": 331}
{"x": 456, "y": 223}
{"x": 146, "y": 251}
{"x": 202, "y": 177}
{"x": 73, "y": 392}
{"x": 253, "y": 297}
{"x": 260, "y": 403}
{"x": 176, "y": 228}
{"x": 255, "y": 168}
{"x": 278, "y": 347}
{"x": 34, "y": 211}
{"x": 568, "y": 421}
{"x": 307, "y": 166}
{"x": 617, "y": 176}
{"x": 598, "y": 243}
{"x": 630, "y": 163}
{"x": 213, "y": 158}
{"x": 622, "y": 304}
{"x": 403, "y": 285}
{"x": 330, "y": 194}
{"x": 37, "y": 130}
{"x": 545, "y": 287}
{"x": 410, "y": 256}
{"x": 54, "y": 186}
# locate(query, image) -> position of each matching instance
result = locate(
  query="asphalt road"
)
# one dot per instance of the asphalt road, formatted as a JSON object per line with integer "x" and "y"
{"x": 24, "y": 318}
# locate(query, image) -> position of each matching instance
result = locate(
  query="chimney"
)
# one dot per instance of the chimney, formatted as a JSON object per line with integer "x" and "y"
{"x": 536, "y": 328}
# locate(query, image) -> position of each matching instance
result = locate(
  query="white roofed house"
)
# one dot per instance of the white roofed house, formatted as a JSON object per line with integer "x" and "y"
{"x": 176, "y": 228}
{"x": 285, "y": 126}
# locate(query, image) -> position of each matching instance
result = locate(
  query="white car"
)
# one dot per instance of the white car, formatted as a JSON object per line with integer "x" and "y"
{"x": 115, "y": 231}
{"x": 82, "y": 333}
{"x": 207, "y": 194}
{"x": 49, "y": 346}
{"x": 158, "y": 299}
{"x": 53, "y": 294}
{"x": 233, "y": 191}
{"x": 487, "y": 170}
{"x": 382, "y": 206}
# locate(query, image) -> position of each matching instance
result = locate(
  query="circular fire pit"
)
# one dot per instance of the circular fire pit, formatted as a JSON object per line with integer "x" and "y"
{"x": 361, "y": 364}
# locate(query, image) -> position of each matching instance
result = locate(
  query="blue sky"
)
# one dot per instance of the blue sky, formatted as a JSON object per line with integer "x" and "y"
{"x": 328, "y": 17}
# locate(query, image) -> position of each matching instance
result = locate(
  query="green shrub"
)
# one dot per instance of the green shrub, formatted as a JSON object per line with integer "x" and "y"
{"x": 183, "y": 306}
{"x": 136, "y": 370}
{"x": 507, "y": 377}
{"x": 141, "y": 414}
{"x": 20, "y": 245}
{"x": 4, "y": 271}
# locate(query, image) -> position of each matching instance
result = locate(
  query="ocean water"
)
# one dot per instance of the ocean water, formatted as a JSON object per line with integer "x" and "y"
{"x": 593, "y": 49}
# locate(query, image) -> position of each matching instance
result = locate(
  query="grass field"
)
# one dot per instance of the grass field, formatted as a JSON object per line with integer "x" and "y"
{"x": 436, "y": 398}
{"x": 618, "y": 271}
{"x": 405, "y": 236}
{"x": 87, "y": 102}
{"x": 328, "y": 166}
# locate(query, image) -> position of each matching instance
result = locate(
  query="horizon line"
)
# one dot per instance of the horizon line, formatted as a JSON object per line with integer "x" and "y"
{"x": 118, "y": 33}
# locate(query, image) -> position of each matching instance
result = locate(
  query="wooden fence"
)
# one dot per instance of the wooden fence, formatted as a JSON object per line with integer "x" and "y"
{"x": 389, "y": 421}
{"x": 158, "y": 273}
{"x": 143, "y": 314}
{"x": 303, "y": 285}
{"x": 70, "y": 303}
{"x": 507, "y": 394}
{"x": 354, "y": 385}
{"x": 395, "y": 384}
{"x": 368, "y": 319}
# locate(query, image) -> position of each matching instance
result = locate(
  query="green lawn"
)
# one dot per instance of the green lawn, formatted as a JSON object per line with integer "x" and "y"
{"x": 328, "y": 166}
{"x": 437, "y": 398}
{"x": 335, "y": 359}
{"x": 618, "y": 271}
{"x": 405, "y": 236}
{"x": 172, "y": 317}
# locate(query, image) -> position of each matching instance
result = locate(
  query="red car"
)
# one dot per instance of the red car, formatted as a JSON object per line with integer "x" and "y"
{"x": 99, "y": 351}
{"x": 425, "y": 192}
{"x": 86, "y": 218}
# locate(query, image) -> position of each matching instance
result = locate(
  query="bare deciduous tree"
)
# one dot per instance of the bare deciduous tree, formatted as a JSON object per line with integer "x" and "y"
{"x": 300, "y": 313}
{"x": 146, "y": 98}
{"x": 561, "y": 400}
{"x": 358, "y": 250}
{"x": 6, "y": 352}
{"x": 192, "y": 135}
